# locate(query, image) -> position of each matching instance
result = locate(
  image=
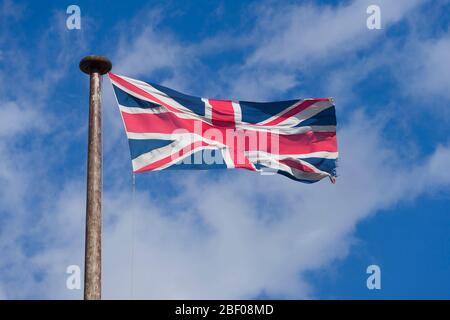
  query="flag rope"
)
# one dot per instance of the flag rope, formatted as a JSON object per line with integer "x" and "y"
{"x": 133, "y": 197}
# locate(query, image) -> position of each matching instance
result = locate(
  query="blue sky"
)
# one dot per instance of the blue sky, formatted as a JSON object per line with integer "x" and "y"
{"x": 230, "y": 234}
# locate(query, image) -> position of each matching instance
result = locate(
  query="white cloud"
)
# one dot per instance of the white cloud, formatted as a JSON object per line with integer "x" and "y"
{"x": 148, "y": 52}
{"x": 29, "y": 149}
{"x": 240, "y": 234}
{"x": 301, "y": 34}
{"x": 294, "y": 40}
{"x": 431, "y": 76}
{"x": 15, "y": 120}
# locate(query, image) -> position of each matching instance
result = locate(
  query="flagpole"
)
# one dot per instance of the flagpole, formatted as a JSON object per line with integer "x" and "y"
{"x": 95, "y": 67}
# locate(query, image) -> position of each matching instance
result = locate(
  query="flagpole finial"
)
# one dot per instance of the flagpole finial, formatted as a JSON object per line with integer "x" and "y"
{"x": 93, "y": 63}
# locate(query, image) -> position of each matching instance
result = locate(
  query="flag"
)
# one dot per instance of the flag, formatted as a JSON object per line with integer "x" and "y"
{"x": 167, "y": 129}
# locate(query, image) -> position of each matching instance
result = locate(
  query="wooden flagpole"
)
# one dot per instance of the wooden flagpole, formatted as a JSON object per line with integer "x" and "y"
{"x": 95, "y": 67}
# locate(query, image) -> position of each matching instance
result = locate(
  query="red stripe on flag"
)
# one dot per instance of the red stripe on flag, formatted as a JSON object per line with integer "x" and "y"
{"x": 222, "y": 113}
{"x": 302, "y": 106}
{"x": 156, "y": 123}
{"x": 128, "y": 85}
{"x": 307, "y": 142}
{"x": 168, "y": 123}
{"x": 240, "y": 160}
{"x": 297, "y": 165}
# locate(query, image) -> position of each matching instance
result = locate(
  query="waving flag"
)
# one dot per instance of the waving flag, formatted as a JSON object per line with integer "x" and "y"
{"x": 167, "y": 129}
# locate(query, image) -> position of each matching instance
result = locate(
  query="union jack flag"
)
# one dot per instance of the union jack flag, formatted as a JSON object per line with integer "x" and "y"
{"x": 167, "y": 129}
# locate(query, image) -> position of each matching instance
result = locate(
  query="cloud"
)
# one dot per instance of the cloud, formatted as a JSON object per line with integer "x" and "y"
{"x": 282, "y": 50}
{"x": 11, "y": 10}
{"x": 149, "y": 51}
{"x": 238, "y": 235}
{"x": 31, "y": 151}
{"x": 432, "y": 75}
{"x": 293, "y": 41}
{"x": 301, "y": 34}
{"x": 14, "y": 120}
{"x": 436, "y": 169}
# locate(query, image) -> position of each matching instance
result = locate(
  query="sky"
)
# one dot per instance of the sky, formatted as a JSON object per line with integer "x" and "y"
{"x": 230, "y": 234}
